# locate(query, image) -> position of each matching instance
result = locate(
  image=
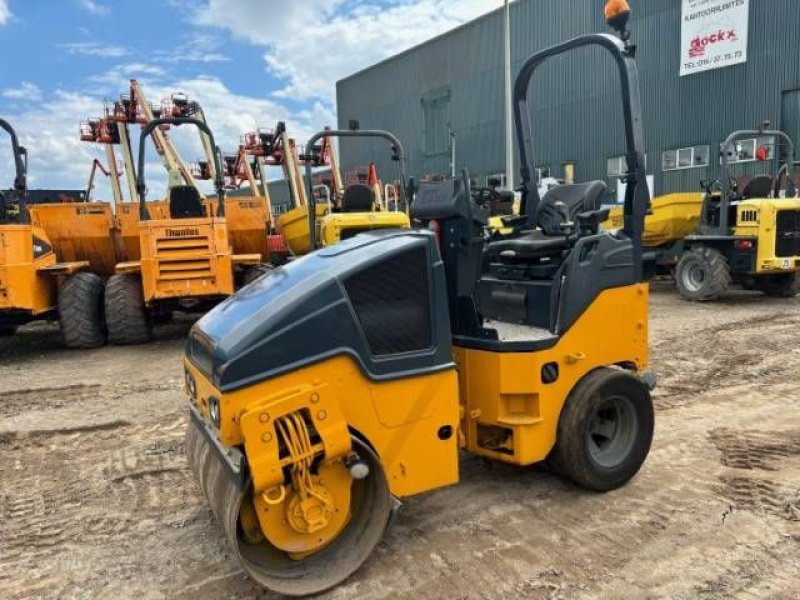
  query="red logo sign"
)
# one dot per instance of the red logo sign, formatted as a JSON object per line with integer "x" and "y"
{"x": 698, "y": 46}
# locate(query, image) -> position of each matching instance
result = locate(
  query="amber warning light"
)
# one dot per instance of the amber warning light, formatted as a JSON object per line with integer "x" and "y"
{"x": 617, "y": 13}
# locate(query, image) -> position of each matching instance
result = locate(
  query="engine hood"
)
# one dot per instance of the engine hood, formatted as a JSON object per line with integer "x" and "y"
{"x": 301, "y": 313}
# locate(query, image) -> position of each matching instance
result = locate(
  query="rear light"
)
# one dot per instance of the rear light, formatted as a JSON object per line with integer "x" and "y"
{"x": 744, "y": 245}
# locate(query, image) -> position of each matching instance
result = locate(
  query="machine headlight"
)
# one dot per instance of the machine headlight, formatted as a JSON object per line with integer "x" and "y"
{"x": 213, "y": 410}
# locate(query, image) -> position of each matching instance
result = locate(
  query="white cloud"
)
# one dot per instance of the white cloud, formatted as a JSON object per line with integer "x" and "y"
{"x": 331, "y": 39}
{"x": 58, "y": 158}
{"x": 95, "y": 49}
{"x": 94, "y": 7}
{"x": 25, "y": 91}
{"x": 195, "y": 47}
{"x": 5, "y": 12}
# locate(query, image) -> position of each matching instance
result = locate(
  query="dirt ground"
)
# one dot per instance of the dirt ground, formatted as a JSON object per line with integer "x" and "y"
{"x": 96, "y": 499}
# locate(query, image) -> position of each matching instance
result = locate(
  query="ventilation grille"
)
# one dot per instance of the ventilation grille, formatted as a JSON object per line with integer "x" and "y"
{"x": 392, "y": 303}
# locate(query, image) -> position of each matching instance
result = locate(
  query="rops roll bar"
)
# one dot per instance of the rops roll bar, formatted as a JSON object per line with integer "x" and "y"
{"x": 219, "y": 184}
{"x": 20, "y": 168}
{"x": 398, "y": 154}
{"x": 637, "y": 194}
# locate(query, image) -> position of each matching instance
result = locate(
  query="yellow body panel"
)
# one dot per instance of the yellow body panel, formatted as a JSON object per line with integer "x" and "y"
{"x": 758, "y": 218}
{"x": 248, "y": 223}
{"x": 293, "y": 224}
{"x": 23, "y": 286}
{"x": 672, "y": 218}
{"x": 80, "y": 231}
{"x": 502, "y": 393}
{"x": 332, "y": 228}
{"x": 337, "y": 226}
{"x": 184, "y": 258}
{"x": 400, "y": 419}
{"x": 127, "y": 224}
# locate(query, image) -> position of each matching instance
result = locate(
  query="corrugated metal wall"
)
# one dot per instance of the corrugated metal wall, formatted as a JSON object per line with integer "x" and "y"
{"x": 575, "y": 101}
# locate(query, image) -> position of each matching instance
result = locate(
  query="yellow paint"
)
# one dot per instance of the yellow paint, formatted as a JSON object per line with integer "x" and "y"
{"x": 81, "y": 231}
{"x": 404, "y": 434}
{"x": 759, "y": 218}
{"x": 22, "y": 285}
{"x": 503, "y": 392}
{"x": 672, "y": 218}
{"x": 183, "y": 258}
{"x": 333, "y": 227}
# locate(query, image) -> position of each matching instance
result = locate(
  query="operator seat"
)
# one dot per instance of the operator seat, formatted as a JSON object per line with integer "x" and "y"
{"x": 358, "y": 198}
{"x": 759, "y": 186}
{"x": 185, "y": 203}
{"x": 548, "y": 239}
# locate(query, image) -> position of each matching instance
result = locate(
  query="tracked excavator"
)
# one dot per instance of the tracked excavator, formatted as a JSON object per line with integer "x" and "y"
{"x": 324, "y": 393}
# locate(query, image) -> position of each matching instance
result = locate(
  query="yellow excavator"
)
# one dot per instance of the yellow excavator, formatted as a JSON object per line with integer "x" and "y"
{"x": 34, "y": 284}
{"x": 342, "y": 382}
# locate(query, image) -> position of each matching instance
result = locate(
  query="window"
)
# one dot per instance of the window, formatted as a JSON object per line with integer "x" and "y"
{"x": 436, "y": 122}
{"x": 747, "y": 150}
{"x": 618, "y": 166}
{"x": 692, "y": 157}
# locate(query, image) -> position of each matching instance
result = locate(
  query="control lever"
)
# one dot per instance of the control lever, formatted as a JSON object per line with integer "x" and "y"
{"x": 567, "y": 225}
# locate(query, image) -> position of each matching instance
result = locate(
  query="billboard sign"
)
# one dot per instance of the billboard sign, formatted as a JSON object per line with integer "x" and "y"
{"x": 713, "y": 34}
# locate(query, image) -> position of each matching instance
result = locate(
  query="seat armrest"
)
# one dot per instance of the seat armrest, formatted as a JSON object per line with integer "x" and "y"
{"x": 590, "y": 220}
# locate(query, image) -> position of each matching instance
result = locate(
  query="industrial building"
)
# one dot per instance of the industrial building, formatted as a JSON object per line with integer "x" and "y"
{"x": 444, "y": 98}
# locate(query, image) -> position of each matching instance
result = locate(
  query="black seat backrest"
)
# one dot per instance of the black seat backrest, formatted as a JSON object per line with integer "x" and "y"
{"x": 358, "y": 198}
{"x": 759, "y": 186}
{"x": 578, "y": 198}
{"x": 185, "y": 203}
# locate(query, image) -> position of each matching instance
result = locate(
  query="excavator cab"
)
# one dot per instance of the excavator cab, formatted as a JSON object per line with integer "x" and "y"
{"x": 186, "y": 259}
{"x": 342, "y": 382}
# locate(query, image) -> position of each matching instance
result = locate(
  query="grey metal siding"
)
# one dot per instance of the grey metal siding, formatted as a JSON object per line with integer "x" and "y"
{"x": 575, "y": 103}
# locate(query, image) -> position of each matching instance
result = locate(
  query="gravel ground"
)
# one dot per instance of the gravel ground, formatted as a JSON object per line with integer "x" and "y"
{"x": 97, "y": 501}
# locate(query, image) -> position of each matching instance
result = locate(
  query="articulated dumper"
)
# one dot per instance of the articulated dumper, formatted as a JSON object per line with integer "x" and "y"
{"x": 323, "y": 393}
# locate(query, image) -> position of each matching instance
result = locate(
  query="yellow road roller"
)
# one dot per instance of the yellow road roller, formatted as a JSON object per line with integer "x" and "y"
{"x": 328, "y": 390}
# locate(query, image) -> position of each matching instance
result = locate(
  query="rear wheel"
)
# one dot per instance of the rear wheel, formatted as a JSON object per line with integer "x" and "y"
{"x": 785, "y": 285}
{"x": 275, "y": 569}
{"x": 126, "y": 315}
{"x": 80, "y": 311}
{"x": 605, "y": 430}
{"x": 702, "y": 274}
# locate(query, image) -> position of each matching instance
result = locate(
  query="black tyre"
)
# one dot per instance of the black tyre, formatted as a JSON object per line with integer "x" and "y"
{"x": 702, "y": 274}
{"x": 785, "y": 285}
{"x": 605, "y": 430}
{"x": 255, "y": 272}
{"x": 126, "y": 315}
{"x": 80, "y": 311}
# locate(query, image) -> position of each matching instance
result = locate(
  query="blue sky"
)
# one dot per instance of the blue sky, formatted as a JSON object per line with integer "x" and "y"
{"x": 249, "y": 63}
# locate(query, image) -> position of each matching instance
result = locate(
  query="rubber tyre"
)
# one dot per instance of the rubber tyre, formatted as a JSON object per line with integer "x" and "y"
{"x": 785, "y": 285}
{"x": 702, "y": 274}
{"x": 256, "y": 272}
{"x": 80, "y": 311}
{"x": 575, "y": 456}
{"x": 126, "y": 315}
{"x": 7, "y": 330}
